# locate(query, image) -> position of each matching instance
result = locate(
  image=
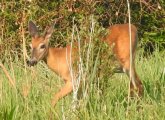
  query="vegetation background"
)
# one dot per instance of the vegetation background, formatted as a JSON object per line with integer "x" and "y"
{"x": 30, "y": 95}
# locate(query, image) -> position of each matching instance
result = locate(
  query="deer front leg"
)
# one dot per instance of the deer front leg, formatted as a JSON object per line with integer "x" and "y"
{"x": 63, "y": 92}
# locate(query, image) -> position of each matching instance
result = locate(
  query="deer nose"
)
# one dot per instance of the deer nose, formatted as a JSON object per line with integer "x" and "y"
{"x": 31, "y": 62}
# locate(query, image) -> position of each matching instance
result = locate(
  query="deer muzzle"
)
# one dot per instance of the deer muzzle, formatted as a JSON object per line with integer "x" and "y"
{"x": 32, "y": 62}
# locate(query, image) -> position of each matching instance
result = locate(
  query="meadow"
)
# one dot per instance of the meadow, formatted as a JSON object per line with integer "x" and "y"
{"x": 30, "y": 99}
{"x": 27, "y": 94}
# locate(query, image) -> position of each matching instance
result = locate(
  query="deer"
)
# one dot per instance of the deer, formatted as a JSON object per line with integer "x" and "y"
{"x": 119, "y": 39}
{"x": 57, "y": 59}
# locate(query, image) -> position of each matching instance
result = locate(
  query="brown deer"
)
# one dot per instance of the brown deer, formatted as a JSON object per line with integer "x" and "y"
{"x": 118, "y": 37}
{"x": 57, "y": 59}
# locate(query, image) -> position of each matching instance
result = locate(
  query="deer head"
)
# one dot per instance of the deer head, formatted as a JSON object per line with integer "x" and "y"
{"x": 40, "y": 43}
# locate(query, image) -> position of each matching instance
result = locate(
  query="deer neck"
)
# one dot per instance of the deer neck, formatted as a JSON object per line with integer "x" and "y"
{"x": 46, "y": 55}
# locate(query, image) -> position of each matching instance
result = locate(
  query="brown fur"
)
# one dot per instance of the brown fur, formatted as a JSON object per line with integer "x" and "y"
{"x": 119, "y": 38}
{"x": 58, "y": 59}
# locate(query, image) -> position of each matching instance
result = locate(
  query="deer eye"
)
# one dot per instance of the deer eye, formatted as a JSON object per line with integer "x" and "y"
{"x": 42, "y": 46}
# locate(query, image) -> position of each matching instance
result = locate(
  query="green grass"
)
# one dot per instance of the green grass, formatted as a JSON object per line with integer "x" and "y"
{"x": 109, "y": 103}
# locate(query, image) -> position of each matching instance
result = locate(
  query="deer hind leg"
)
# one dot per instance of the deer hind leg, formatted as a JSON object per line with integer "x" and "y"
{"x": 136, "y": 87}
{"x": 63, "y": 92}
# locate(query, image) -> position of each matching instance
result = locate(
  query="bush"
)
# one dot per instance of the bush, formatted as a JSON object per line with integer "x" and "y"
{"x": 14, "y": 17}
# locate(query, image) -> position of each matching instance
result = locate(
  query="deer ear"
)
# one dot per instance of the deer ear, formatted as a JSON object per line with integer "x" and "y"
{"x": 32, "y": 29}
{"x": 49, "y": 32}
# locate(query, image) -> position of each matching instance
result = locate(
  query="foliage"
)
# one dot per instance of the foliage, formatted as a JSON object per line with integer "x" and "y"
{"x": 106, "y": 97}
{"x": 14, "y": 17}
{"x": 112, "y": 103}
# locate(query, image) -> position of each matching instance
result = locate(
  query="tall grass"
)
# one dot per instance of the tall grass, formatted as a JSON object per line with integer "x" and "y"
{"x": 103, "y": 97}
{"x": 111, "y": 103}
